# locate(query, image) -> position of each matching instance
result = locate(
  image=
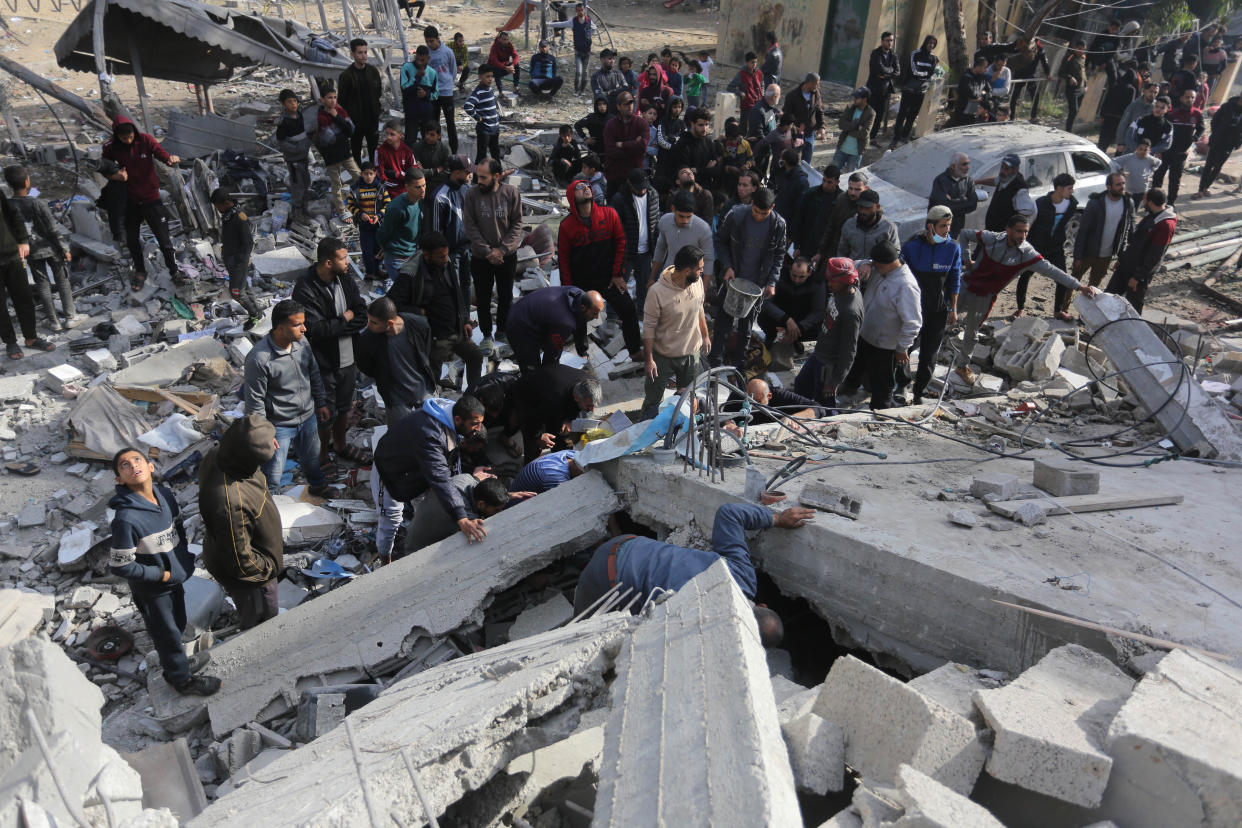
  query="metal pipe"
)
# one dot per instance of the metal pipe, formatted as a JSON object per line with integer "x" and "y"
{"x": 135, "y": 62}
{"x": 1198, "y": 234}
{"x": 323, "y": 17}
{"x": 1203, "y": 248}
{"x": 349, "y": 30}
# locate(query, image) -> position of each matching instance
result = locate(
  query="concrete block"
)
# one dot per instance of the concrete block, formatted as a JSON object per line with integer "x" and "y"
{"x": 796, "y": 704}
{"x": 845, "y": 818}
{"x": 783, "y": 688}
{"x": 963, "y": 517}
{"x": 1032, "y": 512}
{"x": 100, "y": 360}
{"x": 32, "y": 514}
{"x": 204, "y": 601}
{"x": 888, "y": 723}
{"x": 816, "y": 752}
{"x": 166, "y": 367}
{"x": 953, "y": 686}
{"x": 1047, "y": 359}
{"x": 107, "y": 604}
{"x": 995, "y": 485}
{"x": 1050, "y": 723}
{"x": 129, "y": 325}
{"x": 319, "y": 713}
{"x": 289, "y": 594}
{"x": 1177, "y": 747}
{"x": 21, "y": 612}
{"x": 542, "y": 617}
{"x": 831, "y": 499}
{"x": 170, "y": 779}
{"x": 928, "y": 804}
{"x": 58, "y": 376}
{"x": 284, "y": 264}
{"x": 304, "y": 522}
{"x": 709, "y": 733}
{"x": 17, "y": 386}
{"x": 1061, "y": 478}
{"x": 876, "y": 804}
{"x": 1228, "y": 362}
{"x": 991, "y": 384}
{"x": 238, "y": 347}
{"x": 83, "y": 597}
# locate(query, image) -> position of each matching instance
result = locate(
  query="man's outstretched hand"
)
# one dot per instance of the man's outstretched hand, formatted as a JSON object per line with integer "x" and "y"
{"x": 472, "y": 529}
{"x": 793, "y": 517}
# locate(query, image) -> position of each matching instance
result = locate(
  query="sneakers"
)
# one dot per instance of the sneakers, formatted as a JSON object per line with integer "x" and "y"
{"x": 198, "y": 686}
{"x": 199, "y": 662}
{"x": 967, "y": 376}
{"x": 487, "y": 345}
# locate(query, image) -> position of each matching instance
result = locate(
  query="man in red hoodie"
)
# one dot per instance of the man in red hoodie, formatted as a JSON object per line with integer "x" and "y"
{"x": 591, "y": 244}
{"x": 135, "y": 153}
{"x": 504, "y": 58}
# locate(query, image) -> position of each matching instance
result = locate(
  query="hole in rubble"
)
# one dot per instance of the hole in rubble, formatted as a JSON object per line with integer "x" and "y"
{"x": 808, "y": 638}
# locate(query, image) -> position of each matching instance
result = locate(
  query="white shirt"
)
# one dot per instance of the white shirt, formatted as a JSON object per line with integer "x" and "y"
{"x": 706, "y": 65}
{"x": 1113, "y": 211}
{"x": 640, "y": 209}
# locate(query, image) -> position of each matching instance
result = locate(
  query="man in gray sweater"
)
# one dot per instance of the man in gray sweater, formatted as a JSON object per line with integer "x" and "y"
{"x": 892, "y": 320}
{"x": 677, "y": 229}
{"x": 283, "y": 384}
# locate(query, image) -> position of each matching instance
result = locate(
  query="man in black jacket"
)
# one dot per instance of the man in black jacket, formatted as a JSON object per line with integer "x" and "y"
{"x": 972, "y": 93}
{"x": 955, "y": 189}
{"x": 394, "y": 349}
{"x": 1047, "y": 235}
{"x": 638, "y": 207}
{"x": 358, "y": 91}
{"x": 751, "y": 245}
{"x": 814, "y": 211}
{"x": 429, "y": 285}
{"x": 15, "y": 246}
{"x": 1103, "y": 229}
{"x": 547, "y": 400}
{"x": 1226, "y": 136}
{"x": 1138, "y": 262}
{"x": 696, "y": 150}
{"x": 1120, "y": 95}
{"x": 796, "y": 311}
{"x": 236, "y": 243}
{"x": 806, "y": 105}
{"x": 883, "y": 73}
{"x": 920, "y": 67}
{"x": 335, "y": 313}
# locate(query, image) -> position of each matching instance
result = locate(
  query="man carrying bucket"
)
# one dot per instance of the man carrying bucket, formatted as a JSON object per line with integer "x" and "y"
{"x": 751, "y": 250}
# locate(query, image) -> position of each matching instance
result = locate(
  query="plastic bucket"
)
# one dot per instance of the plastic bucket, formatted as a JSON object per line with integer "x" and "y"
{"x": 740, "y": 297}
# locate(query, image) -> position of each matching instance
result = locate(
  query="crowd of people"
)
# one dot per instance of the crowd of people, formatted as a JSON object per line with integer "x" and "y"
{"x": 669, "y": 229}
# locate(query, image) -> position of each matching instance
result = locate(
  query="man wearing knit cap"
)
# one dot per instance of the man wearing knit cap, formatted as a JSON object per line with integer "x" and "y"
{"x": 892, "y": 321}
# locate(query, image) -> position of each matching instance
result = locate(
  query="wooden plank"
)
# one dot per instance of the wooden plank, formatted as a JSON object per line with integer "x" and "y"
{"x": 1087, "y": 503}
{"x": 158, "y": 395}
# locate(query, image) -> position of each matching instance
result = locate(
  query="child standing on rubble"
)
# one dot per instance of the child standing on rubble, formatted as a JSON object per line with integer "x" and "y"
{"x": 483, "y": 107}
{"x": 149, "y": 551}
{"x": 236, "y": 242}
{"x": 367, "y": 200}
{"x": 48, "y": 256}
{"x": 335, "y": 129}
{"x": 393, "y": 158}
{"x": 294, "y": 143}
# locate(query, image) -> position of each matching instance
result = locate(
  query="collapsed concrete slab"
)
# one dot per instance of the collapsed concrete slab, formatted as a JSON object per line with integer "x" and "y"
{"x": 693, "y": 738}
{"x": 1050, "y": 724}
{"x": 369, "y": 625}
{"x": 888, "y": 724}
{"x": 445, "y": 731}
{"x": 1152, "y": 371}
{"x": 166, "y": 367}
{"x": 1177, "y": 747}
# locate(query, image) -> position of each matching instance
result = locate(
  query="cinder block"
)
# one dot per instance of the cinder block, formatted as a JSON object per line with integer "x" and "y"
{"x": 1050, "y": 724}
{"x": 928, "y": 804}
{"x": 58, "y": 376}
{"x": 888, "y": 723}
{"x": 100, "y": 360}
{"x": 995, "y": 486}
{"x": 816, "y": 752}
{"x": 1061, "y": 478}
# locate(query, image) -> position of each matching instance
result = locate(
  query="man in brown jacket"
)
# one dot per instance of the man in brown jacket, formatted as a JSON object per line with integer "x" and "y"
{"x": 674, "y": 327}
{"x": 855, "y": 126}
{"x": 492, "y": 214}
{"x": 243, "y": 546}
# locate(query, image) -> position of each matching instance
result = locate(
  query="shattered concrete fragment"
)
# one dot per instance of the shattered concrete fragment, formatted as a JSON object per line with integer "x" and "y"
{"x": 963, "y": 517}
{"x": 1050, "y": 724}
{"x": 58, "y": 376}
{"x": 995, "y": 485}
{"x": 542, "y": 617}
{"x": 32, "y": 514}
{"x": 953, "y": 686}
{"x": 304, "y": 522}
{"x": 1031, "y": 513}
{"x": 166, "y": 367}
{"x": 816, "y": 753}
{"x": 665, "y": 716}
{"x": 169, "y": 778}
{"x": 928, "y": 804}
{"x": 21, "y": 612}
{"x": 83, "y": 597}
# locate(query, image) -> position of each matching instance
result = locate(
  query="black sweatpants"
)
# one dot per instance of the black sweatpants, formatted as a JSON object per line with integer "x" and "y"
{"x": 485, "y": 143}
{"x": 153, "y": 214}
{"x": 876, "y": 368}
{"x": 444, "y": 105}
{"x": 911, "y": 103}
{"x": 163, "y": 611}
{"x": 256, "y": 603}
{"x": 14, "y": 285}
{"x": 1174, "y": 163}
{"x": 1119, "y": 285}
{"x": 487, "y": 276}
{"x": 368, "y": 132}
{"x": 880, "y": 104}
{"x": 1217, "y": 155}
{"x": 931, "y": 337}
{"x": 239, "y": 288}
{"x": 1108, "y": 131}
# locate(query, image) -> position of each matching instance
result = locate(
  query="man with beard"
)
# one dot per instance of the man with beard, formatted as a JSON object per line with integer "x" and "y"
{"x": 814, "y": 210}
{"x": 845, "y": 208}
{"x": 884, "y": 70}
{"x": 1141, "y": 258}
{"x": 493, "y": 218}
{"x": 677, "y": 229}
{"x": 704, "y": 206}
{"x": 696, "y": 150}
{"x": 751, "y": 245}
{"x": 1011, "y": 195}
{"x": 955, "y": 189}
{"x": 625, "y": 143}
{"x": 446, "y": 214}
{"x": 674, "y": 327}
{"x": 866, "y": 228}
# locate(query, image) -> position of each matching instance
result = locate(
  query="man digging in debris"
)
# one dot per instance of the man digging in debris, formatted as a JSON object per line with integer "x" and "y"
{"x": 649, "y": 566}
{"x": 150, "y": 552}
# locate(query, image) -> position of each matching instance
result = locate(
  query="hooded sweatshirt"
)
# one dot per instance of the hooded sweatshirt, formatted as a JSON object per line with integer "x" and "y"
{"x": 242, "y": 535}
{"x": 148, "y": 540}
{"x": 138, "y": 161}
{"x": 592, "y": 249}
{"x": 423, "y": 452}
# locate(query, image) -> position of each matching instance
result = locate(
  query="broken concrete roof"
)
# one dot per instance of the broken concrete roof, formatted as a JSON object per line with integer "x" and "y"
{"x": 180, "y": 40}
{"x": 372, "y": 622}
{"x": 455, "y": 726}
{"x": 693, "y": 738}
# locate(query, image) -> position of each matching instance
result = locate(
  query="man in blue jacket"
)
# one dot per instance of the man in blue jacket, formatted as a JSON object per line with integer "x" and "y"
{"x": 647, "y": 565}
{"x": 542, "y": 322}
{"x": 544, "y": 77}
{"x": 149, "y": 551}
{"x": 936, "y": 262}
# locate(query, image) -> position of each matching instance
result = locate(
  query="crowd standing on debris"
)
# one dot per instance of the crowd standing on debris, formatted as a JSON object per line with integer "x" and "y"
{"x": 700, "y": 250}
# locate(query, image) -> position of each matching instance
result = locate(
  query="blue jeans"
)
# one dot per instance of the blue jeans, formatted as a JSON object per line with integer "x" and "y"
{"x": 582, "y": 70}
{"x": 808, "y": 146}
{"x": 846, "y": 163}
{"x": 304, "y": 440}
{"x": 392, "y": 264}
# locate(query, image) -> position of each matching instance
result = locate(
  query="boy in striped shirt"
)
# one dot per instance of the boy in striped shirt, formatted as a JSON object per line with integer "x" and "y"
{"x": 367, "y": 200}
{"x": 484, "y": 108}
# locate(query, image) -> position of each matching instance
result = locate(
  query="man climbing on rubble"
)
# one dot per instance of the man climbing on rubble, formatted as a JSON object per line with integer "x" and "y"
{"x": 483, "y": 497}
{"x": 236, "y": 243}
{"x": 150, "y": 552}
{"x": 243, "y": 545}
{"x": 648, "y": 566}
{"x": 544, "y": 321}
{"x": 135, "y": 152}
{"x": 1000, "y": 258}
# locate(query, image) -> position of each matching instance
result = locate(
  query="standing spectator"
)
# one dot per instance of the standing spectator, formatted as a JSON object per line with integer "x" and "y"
{"x": 1139, "y": 166}
{"x": 1169, "y": 54}
{"x": 431, "y": 286}
{"x": 462, "y": 53}
{"x": 433, "y": 156}
{"x": 367, "y": 200}
{"x": 443, "y": 62}
{"x": 736, "y": 156}
{"x": 1214, "y": 59}
{"x": 334, "y": 314}
{"x": 243, "y": 544}
{"x": 403, "y": 223}
{"x": 761, "y": 122}
{"x": 1184, "y": 79}
{"x": 283, "y": 384}
{"x": 447, "y": 216}
{"x": 855, "y": 128}
{"x": 747, "y": 84}
{"x": 791, "y": 184}
{"x": 955, "y": 189}
{"x": 844, "y": 209}
{"x": 677, "y": 229}
{"x": 294, "y": 143}
{"x": 136, "y": 152}
{"x": 814, "y": 210}
{"x": 625, "y": 143}
{"x": 333, "y": 139}
{"x": 358, "y": 91}
{"x": 1140, "y": 259}
{"x": 807, "y": 108}
{"x": 936, "y": 262}
{"x": 1155, "y": 128}
{"x": 592, "y": 174}
{"x": 584, "y": 37}
{"x": 542, "y": 323}
{"x": 972, "y": 94}
{"x": 674, "y": 327}
{"x": 1226, "y": 136}
{"x": 1116, "y": 102}
{"x": 493, "y": 218}
{"x": 420, "y": 89}
{"x": 591, "y": 127}
{"x": 150, "y": 552}
{"x": 866, "y": 228}
{"x": 1074, "y": 73}
{"x": 773, "y": 59}
{"x": 919, "y": 71}
{"x": 1102, "y": 230}
{"x": 883, "y": 72}
{"x": 608, "y": 80}
{"x": 48, "y": 255}
{"x": 504, "y": 60}
{"x": 591, "y": 244}
{"x": 747, "y": 183}
{"x": 1187, "y": 122}
{"x": 236, "y": 244}
{"x": 694, "y": 84}
{"x": 795, "y": 312}
{"x": 751, "y": 245}
{"x": 694, "y": 149}
{"x": 544, "y": 77}
{"x": 638, "y": 207}
{"x": 892, "y": 321}
{"x": 394, "y": 349}
{"x": 653, "y": 91}
{"x": 989, "y": 49}
{"x": 393, "y": 159}
{"x": 670, "y": 128}
{"x": 675, "y": 79}
{"x": 1025, "y": 66}
{"x": 1052, "y": 216}
{"x": 1104, "y": 46}
{"x": 483, "y": 107}
{"x": 1011, "y": 196}
{"x": 833, "y": 356}
{"x": 14, "y": 247}
{"x": 1140, "y": 108}
{"x": 704, "y": 203}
